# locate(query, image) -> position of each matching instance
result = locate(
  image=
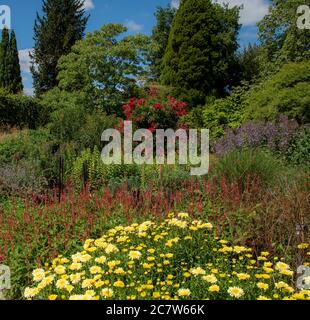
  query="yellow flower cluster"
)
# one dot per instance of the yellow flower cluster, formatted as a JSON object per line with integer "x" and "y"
{"x": 179, "y": 258}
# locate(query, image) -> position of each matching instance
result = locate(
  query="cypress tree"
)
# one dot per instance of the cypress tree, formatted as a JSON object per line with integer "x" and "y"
{"x": 201, "y": 51}
{"x": 14, "y": 79}
{"x": 160, "y": 36}
{"x": 62, "y": 24}
{"x": 4, "y": 49}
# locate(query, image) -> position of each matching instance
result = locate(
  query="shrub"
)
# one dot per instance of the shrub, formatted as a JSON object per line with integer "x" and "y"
{"x": 178, "y": 258}
{"x": 21, "y": 111}
{"x": 22, "y": 178}
{"x": 299, "y": 150}
{"x": 274, "y": 135}
{"x": 241, "y": 165}
{"x": 287, "y": 92}
{"x": 225, "y": 113}
{"x": 96, "y": 174}
{"x": 155, "y": 112}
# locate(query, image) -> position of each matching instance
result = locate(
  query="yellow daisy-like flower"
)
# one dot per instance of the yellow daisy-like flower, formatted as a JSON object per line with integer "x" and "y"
{"x": 101, "y": 260}
{"x": 31, "y": 292}
{"x": 235, "y": 292}
{"x": 52, "y": 297}
{"x": 135, "y": 255}
{"x": 107, "y": 293}
{"x": 210, "y": 278}
{"x": 156, "y": 295}
{"x": 214, "y": 288}
{"x": 243, "y": 276}
{"x": 95, "y": 270}
{"x": 119, "y": 284}
{"x": 183, "y": 215}
{"x": 280, "y": 266}
{"x": 38, "y": 275}
{"x": 197, "y": 271}
{"x": 60, "y": 270}
{"x": 75, "y": 278}
{"x": 61, "y": 284}
{"x": 262, "y": 285}
{"x": 184, "y": 292}
{"x": 303, "y": 246}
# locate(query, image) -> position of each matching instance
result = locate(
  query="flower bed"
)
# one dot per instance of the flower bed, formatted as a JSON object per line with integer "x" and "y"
{"x": 179, "y": 258}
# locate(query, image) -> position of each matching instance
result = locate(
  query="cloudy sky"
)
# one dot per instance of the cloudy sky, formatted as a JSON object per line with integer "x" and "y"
{"x": 137, "y": 15}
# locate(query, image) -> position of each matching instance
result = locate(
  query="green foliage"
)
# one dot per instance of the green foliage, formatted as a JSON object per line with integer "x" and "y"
{"x": 10, "y": 76}
{"x": 282, "y": 41}
{"x": 30, "y": 146}
{"x": 225, "y": 113}
{"x": 62, "y": 24}
{"x": 299, "y": 152}
{"x": 249, "y": 63}
{"x": 97, "y": 173}
{"x": 242, "y": 166}
{"x": 200, "y": 56}
{"x": 160, "y": 36}
{"x": 104, "y": 67}
{"x": 286, "y": 92}
{"x": 21, "y": 111}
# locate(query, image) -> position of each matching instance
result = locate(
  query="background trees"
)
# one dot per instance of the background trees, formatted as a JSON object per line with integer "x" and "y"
{"x": 10, "y": 77}
{"x": 62, "y": 24}
{"x": 201, "y": 51}
{"x": 160, "y": 36}
{"x": 106, "y": 67}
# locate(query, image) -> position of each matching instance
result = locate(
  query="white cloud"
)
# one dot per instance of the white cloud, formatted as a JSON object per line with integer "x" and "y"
{"x": 133, "y": 26}
{"x": 253, "y": 10}
{"x": 88, "y": 4}
{"x": 175, "y": 4}
{"x": 24, "y": 60}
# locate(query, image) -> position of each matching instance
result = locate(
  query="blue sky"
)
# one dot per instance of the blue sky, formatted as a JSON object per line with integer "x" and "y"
{"x": 137, "y": 15}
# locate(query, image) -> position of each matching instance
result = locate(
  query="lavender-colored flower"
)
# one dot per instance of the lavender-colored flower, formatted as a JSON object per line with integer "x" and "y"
{"x": 275, "y": 135}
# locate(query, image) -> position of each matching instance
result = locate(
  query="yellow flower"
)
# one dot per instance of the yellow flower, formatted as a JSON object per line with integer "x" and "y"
{"x": 31, "y": 292}
{"x": 198, "y": 271}
{"x": 280, "y": 266}
{"x": 135, "y": 255}
{"x": 75, "y": 278}
{"x": 287, "y": 272}
{"x": 101, "y": 260}
{"x": 303, "y": 246}
{"x": 52, "y": 297}
{"x": 243, "y": 276}
{"x": 184, "y": 292}
{"x": 119, "y": 284}
{"x": 107, "y": 293}
{"x": 262, "y": 286}
{"x": 61, "y": 284}
{"x": 210, "y": 278}
{"x": 95, "y": 270}
{"x": 262, "y": 298}
{"x": 214, "y": 288}
{"x": 235, "y": 292}
{"x": 156, "y": 295}
{"x": 183, "y": 215}
{"x": 60, "y": 270}
{"x": 38, "y": 275}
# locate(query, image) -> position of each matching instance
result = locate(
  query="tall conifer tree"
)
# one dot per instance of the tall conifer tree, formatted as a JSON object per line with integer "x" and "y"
{"x": 62, "y": 24}
{"x": 14, "y": 79}
{"x": 201, "y": 52}
{"x": 4, "y": 49}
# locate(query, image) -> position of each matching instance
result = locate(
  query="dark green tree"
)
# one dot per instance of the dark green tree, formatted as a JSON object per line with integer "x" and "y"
{"x": 14, "y": 79}
{"x": 249, "y": 63}
{"x": 160, "y": 36}
{"x": 4, "y": 49}
{"x": 62, "y": 24}
{"x": 201, "y": 52}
